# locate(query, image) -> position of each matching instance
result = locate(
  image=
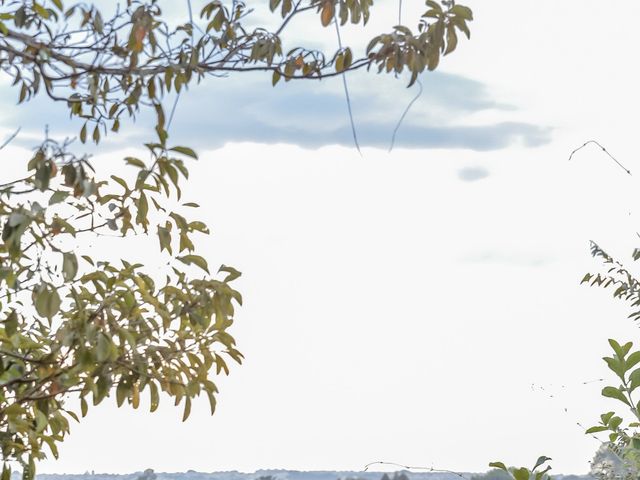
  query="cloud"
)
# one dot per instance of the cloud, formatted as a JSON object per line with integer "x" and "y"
{"x": 472, "y": 174}
{"x": 311, "y": 114}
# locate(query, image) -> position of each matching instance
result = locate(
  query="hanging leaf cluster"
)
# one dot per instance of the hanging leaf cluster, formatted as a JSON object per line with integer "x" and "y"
{"x": 79, "y": 326}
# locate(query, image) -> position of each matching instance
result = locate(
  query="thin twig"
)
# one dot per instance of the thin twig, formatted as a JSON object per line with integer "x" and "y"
{"x": 175, "y": 102}
{"x": 604, "y": 150}
{"x": 406, "y": 110}
{"x": 347, "y": 96}
{"x": 294, "y": 12}
{"x": 406, "y": 467}
{"x": 404, "y": 114}
{"x": 10, "y": 139}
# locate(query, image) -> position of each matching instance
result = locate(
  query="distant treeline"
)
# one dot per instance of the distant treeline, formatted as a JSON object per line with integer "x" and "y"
{"x": 149, "y": 474}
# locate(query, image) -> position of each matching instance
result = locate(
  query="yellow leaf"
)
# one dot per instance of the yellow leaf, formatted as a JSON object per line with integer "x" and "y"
{"x": 135, "y": 396}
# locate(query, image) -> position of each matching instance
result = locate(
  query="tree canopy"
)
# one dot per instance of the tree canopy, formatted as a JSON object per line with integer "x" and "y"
{"x": 86, "y": 327}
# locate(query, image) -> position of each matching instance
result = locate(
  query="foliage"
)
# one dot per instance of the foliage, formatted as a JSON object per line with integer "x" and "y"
{"x": 623, "y": 445}
{"x": 88, "y": 327}
{"x": 84, "y": 325}
{"x": 607, "y": 464}
{"x": 537, "y": 472}
{"x": 619, "y": 456}
{"x": 105, "y": 69}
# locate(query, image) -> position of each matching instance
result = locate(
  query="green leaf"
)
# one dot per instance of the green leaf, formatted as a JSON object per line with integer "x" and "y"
{"x": 233, "y": 273}
{"x": 435, "y": 5}
{"x": 499, "y": 465}
{"x": 541, "y": 474}
{"x": 187, "y": 409}
{"x": 143, "y": 210}
{"x": 121, "y": 393}
{"x": 614, "y": 423}
{"x": 185, "y": 151}
{"x": 121, "y": 182}
{"x": 103, "y": 348}
{"x": 58, "y": 197}
{"x": 616, "y": 365}
{"x": 275, "y": 78}
{"x": 612, "y": 392}
{"x": 164, "y": 236}
{"x": 212, "y": 401}
{"x": 199, "y": 227}
{"x": 634, "y": 379}
{"x": 40, "y": 10}
{"x": 632, "y": 360}
{"x": 195, "y": 260}
{"x": 542, "y": 459}
{"x": 605, "y": 417}
{"x": 136, "y": 162}
{"x": 47, "y": 301}
{"x": 340, "y": 63}
{"x": 69, "y": 266}
{"x": 52, "y": 446}
{"x": 462, "y": 11}
{"x": 135, "y": 396}
{"x": 521, "y": 473}
{"x": 11, "y": 323}
{"x": 41, "y": 421}
{"x": 452, "y": 40}
{"x": 596, "y": 429}
{"x": 88, "y": 259}
{"x": 616, "y": 348}
{"x": 155, "y": 398}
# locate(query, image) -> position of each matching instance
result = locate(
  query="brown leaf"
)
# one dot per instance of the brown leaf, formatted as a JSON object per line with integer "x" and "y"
{"x": 327, "y": 13}
{"x": 139, "y": 34}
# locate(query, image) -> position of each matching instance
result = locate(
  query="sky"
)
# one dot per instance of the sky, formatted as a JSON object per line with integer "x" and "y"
{"x": 419, "y": 306}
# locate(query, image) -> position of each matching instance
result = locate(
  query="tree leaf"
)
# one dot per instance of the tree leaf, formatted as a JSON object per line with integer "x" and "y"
{"x": 69, "y": 266}
{"x": 164, "y": 236}
{"x": 597, "y": 428}
{"x": 185, "y": 151}
{"x": 612, "y": 392}
{"x": 327, "y": 13}
{"x": 542, "y": 459}
{"x": 187, "y": 409}
{"x": 462, "y": 11}
{"x": 58, "y": 197}
{"x": 154, "y": 397}
{"x": 195, "y": 260}
{"x": 632, "y": 360}
{"x": 521, "y": 473}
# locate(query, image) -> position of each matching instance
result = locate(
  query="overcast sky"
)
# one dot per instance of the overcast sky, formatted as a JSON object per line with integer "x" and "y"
{"x": 399, "y": 306}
